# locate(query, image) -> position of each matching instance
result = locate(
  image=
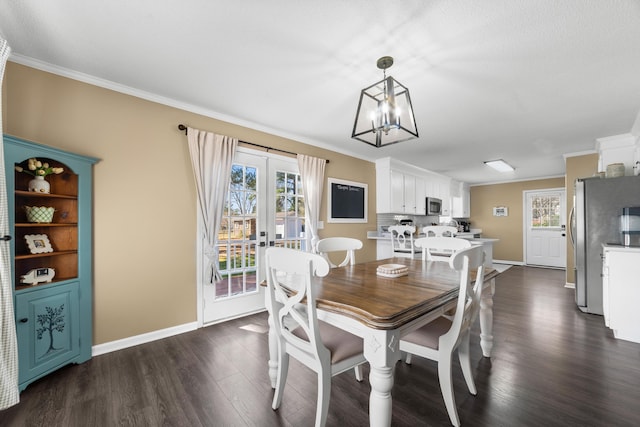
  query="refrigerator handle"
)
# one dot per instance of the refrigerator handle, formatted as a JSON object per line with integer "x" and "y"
{"x": 572, "y": 226}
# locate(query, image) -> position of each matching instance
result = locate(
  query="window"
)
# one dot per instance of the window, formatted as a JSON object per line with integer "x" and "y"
{"x": 289, "y": 218}
{"x": 545, "y": 211}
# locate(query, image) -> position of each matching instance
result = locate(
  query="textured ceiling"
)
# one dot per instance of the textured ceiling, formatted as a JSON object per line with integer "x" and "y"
{"x": 522, "y": 80}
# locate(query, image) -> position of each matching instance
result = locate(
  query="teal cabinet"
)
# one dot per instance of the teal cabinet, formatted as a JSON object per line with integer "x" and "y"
{"x": 48, "y": 329}
{"x": 51, "y": 253}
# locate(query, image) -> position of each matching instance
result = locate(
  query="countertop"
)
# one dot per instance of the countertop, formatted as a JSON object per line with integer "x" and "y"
{"x": 374, "y": 235}
{"x": 621, "y": 248}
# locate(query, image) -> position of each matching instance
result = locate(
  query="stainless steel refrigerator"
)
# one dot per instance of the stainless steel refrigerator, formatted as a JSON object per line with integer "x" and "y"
{"x": 595, "y": 219}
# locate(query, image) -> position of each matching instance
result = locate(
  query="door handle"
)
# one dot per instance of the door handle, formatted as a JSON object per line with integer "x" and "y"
{"x": 24, "y": 320}
{"x": 5, "y": 238}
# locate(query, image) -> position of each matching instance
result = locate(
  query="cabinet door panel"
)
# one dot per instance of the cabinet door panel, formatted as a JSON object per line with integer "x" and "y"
{"x": 409, "y": 194}
{"x": 420, "y": 196}
{"x": 47, "y": 326}
{"x": 397, "y": 192}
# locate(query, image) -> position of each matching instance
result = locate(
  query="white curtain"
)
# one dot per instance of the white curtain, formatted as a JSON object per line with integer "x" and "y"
{"x": 211, "y": 158}
{"x": 9, "y": 394}
{"x": 312, "y": 175}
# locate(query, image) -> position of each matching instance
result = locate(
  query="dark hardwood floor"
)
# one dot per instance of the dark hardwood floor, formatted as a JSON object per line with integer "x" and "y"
{"x": 551, "y": 366}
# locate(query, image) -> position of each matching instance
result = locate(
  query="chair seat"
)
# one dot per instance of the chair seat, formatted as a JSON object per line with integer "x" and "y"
{"x": 340, "y": 343}
{"x": 429, "y": 334}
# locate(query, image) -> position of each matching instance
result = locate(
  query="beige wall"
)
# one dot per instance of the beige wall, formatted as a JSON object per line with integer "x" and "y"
{"x": 509, "y": 229}
{"x": 506, "y": 228}
{"x": 144, "y": 200}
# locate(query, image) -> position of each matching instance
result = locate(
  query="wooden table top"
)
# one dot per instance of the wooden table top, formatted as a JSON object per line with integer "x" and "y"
{"x": 388, "y": 303}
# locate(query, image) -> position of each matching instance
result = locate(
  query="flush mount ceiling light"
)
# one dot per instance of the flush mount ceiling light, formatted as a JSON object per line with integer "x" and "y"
{"x": 499, "y": 165}
{"x": 385, "y": 115}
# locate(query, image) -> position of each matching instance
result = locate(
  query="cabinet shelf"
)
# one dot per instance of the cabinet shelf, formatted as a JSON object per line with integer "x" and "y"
{"x": 45, "y": 224}
{"x": 44, "y": 195}
{"x": 23, "y": 286}
{"x": 44, "y": 255}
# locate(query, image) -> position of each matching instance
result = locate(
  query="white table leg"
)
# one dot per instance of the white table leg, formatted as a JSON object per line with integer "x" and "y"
{"x": 486, "y": 318}
{"x": 381, "y": 348}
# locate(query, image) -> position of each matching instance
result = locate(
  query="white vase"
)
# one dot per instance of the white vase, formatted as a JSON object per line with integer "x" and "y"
{"x": 39, "y": 185}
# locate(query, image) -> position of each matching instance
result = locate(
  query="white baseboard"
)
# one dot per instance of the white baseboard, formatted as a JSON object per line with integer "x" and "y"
{"x": 108, "y": 347}
{"x": 500, "y": 261}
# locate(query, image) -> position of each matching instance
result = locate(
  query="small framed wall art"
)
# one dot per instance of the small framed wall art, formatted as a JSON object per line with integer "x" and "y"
{"x": 38, "y": 243}
{"x": 500, "y": 211}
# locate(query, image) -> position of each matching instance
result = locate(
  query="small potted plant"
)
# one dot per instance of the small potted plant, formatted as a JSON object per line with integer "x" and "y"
{"x": 39, "y": 170}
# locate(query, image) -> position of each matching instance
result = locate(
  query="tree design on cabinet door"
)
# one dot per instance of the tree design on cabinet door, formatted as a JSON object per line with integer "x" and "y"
{"x": 52, "y": 321}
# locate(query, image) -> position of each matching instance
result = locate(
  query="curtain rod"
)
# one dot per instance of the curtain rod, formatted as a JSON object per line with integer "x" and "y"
{"x": 184, "y": 128}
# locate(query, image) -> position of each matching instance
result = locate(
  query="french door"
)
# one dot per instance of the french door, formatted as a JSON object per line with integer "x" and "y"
{"x": 264, "y": 207}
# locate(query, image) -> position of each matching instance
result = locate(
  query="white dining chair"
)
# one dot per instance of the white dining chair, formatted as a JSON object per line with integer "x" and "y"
{"x": 439, "y": 231}
{"x": 339, "y": 244}
{"x": 324, "y": 348}
{"x": 402, "y": 240}
{"x": 440, "y": 248}
{"x": 439, "y": 339}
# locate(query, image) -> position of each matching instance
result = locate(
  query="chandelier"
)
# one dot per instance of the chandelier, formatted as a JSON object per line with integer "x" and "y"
{"x": 385, "y": 115}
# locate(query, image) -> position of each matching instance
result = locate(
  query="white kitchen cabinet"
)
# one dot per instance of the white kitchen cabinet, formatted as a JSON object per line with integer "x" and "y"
{"x": 461, "y": 201}
{"x": 421, "y": 206}
{"x": 384, "y": 249}
{"x": 439, "y": 186}
{"x": 445, "y": 194}
{"x": 403, "y": 193}
{"x": 402, "y": 188}
{"x": 621, "y": 293}
{"x": 398, "y": 191}
{"x": 396, "y": 194}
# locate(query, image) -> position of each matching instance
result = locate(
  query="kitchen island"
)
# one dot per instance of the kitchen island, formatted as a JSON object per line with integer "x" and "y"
{"x": 383, "y": 245}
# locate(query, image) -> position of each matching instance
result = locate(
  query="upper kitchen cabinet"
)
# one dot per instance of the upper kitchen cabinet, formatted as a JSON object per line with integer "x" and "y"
{"x": 402, "y": 188}
{"x": 438, "y": 186}
{"x": 624, "y": 149}
{"x": 404, "y": 193}
{"x": 397, "y": 190}
{"x": 460, "y": 200}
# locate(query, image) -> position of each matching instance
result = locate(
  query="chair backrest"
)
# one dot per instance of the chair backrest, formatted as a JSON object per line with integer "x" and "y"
{"x": 465, "y": 260}
{"x": 440, "y": 248}
{"x": 439, "y": 231}
{"x": 339, "y": 244}
{"x": 402, "y": 240}
{"x": 290, "y": 275}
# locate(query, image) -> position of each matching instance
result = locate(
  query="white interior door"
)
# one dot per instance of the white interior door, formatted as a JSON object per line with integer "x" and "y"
{"x": 545, "y": 228}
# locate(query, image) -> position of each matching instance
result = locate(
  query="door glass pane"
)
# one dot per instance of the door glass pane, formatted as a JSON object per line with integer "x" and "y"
{"x": 237, "y": 235}
{"x": 545, "y": 211}
{"x": 289, "y": 216}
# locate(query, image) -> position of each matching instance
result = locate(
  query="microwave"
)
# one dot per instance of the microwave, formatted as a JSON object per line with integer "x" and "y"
{"x": 434, "y": 206}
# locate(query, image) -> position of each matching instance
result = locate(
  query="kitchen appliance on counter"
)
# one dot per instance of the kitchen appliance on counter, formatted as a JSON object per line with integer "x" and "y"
{"x": 464, "y": 226}
{"x": 595, "y": 219}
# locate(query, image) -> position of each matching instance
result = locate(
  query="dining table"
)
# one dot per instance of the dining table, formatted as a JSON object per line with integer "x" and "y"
{"x": 382, "y": 309}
